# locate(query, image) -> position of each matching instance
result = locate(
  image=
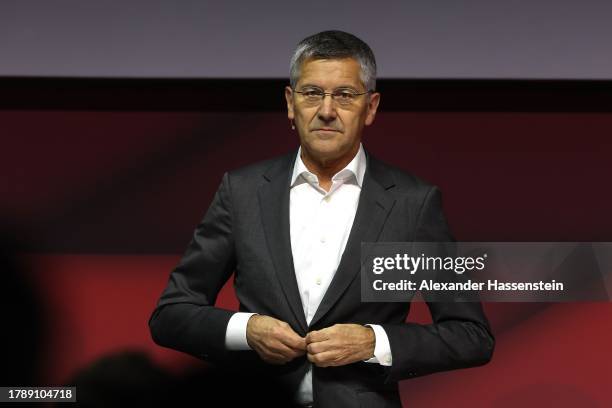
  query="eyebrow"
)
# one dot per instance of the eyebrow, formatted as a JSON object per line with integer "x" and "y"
{"x": 338, "y": 87}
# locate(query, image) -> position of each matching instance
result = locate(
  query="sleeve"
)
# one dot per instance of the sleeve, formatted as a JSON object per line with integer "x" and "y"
{"x": 459, "y": 336}
{"x": 185, "y": 318}
{"x": 235, "y": 334}
{"x": 382, "y": 349}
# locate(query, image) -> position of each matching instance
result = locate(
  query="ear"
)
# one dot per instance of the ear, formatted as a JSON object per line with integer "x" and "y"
{"x": 289, "y": 98}
{"x": 372, "y": 107}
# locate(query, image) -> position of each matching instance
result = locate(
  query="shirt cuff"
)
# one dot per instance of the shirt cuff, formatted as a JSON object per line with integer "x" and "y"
{"x": 382, "y": 348}
{"x": 235, "y": 334}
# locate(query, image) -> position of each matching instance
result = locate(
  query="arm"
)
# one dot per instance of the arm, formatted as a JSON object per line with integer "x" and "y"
{"x": 459, "y": 336}
{"x": 185, "y": 318}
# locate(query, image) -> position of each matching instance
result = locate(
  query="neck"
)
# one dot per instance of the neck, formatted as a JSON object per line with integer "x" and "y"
{"x": 324, "y": 168}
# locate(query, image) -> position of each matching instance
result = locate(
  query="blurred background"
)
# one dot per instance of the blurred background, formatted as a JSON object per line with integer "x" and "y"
{"x": 118, "y": 120}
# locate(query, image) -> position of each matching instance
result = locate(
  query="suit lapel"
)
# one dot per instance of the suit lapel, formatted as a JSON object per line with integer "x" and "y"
{"x": 373, "y": 208}
{"x": 274, "y": 204}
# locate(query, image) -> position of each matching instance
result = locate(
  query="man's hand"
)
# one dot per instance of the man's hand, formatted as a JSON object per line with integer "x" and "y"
{"x": 340, "y": 344}
{"x": 274, "y": 340}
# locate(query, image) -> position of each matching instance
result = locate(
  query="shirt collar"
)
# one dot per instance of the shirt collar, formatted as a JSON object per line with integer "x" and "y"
{"x": 356, "y": 168}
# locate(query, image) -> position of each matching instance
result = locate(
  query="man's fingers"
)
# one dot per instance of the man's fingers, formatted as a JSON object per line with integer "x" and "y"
{"x": 318, "y": 347}
{"x": 277, "y": 343}
{"x": 311, "y": 336}
{"x": 275, "y": 340}
{"x": 325, "y": 359}
{"x": 276, "y": 351}
{"x": 284, "y": 333}
{"x": 288, "y": 352}
{"x": 317, "y": 335}
{"x": 293, "y": 340}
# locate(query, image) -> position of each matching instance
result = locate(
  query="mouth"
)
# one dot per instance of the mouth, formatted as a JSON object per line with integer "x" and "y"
{"x": 326, "y": 130}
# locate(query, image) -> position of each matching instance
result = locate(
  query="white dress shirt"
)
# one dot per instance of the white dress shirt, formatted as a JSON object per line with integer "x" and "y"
{"x": 320, "y": 223}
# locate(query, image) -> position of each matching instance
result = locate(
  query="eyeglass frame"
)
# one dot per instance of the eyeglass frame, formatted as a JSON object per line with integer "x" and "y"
{"x": 331, "y": 94}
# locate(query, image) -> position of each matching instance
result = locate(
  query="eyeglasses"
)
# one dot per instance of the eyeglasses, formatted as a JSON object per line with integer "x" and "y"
{"x": 314, "y": 96}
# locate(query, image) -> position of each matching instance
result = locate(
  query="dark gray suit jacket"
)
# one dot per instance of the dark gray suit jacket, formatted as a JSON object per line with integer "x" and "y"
{"x": 246, "y": 230}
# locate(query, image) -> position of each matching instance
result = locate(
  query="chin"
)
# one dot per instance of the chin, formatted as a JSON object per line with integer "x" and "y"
{"x": 326, "y": 149}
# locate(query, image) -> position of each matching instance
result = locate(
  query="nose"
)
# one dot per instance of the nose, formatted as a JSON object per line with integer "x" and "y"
{"x": 327, "y": 109}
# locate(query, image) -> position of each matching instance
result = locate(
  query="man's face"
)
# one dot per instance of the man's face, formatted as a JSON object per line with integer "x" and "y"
{"x": 329, "y": 131}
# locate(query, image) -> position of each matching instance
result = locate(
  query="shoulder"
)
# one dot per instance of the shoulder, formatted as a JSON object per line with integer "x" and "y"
{"x": 256, "y": 173}
{"x": 416, "y": 197}
{"x": 398, "y": 180}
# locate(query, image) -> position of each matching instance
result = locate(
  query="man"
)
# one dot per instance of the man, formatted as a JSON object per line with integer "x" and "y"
{"x": 291, "y": 228}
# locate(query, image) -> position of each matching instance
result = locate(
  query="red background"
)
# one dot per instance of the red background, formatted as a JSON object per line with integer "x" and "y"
{"x": 110, "y": 200}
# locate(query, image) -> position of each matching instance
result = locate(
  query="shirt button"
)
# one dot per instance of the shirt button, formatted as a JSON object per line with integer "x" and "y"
{"x": 318, "y": 281}
{"x": 322, "y": 240}
{"x": 388, "y": 359}
{"x": 327, "y": 199}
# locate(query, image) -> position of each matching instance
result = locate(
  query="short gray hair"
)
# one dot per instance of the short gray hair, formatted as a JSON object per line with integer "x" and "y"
{"x": 334, "y": 45}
